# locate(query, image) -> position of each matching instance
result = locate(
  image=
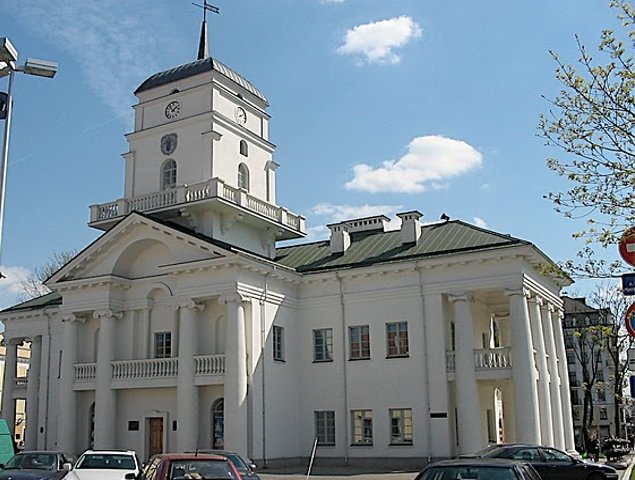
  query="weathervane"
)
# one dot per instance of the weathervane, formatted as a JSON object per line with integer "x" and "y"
{"x": 203, "y": 49}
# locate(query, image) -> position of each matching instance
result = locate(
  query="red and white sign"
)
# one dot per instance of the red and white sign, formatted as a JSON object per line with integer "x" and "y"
{"x": 627, "y": 246}
{"x": 629, "y": 319}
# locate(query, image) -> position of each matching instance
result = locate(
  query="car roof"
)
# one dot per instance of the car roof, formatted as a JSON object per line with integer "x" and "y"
{"x": 40, "y": 452}
{"x": 474, "y": 462}
{"x": 110, "y": 452}
{"x": 190, "y": 456}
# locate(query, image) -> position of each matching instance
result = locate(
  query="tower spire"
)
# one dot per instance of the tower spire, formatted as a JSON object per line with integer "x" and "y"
{"x": 203, "y": 47}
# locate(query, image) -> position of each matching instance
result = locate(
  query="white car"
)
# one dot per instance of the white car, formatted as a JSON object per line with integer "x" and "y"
{"x": 105, "y": 465}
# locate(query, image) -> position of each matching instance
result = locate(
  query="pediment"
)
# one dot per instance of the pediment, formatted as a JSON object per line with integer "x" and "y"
{"x": 138, "y": 247}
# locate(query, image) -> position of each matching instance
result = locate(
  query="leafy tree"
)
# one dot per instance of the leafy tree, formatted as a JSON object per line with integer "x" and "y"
{"x": 33, "y": 287}
{"x": 592, "y": 120}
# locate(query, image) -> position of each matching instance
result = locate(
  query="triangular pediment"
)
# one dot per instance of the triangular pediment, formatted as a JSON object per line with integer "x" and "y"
{"x": 137, "y": 247}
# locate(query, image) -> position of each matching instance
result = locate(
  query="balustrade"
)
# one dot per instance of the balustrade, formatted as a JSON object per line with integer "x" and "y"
{"x": 145, "y": 369}
{"x": 84, "y": 372}
{"x": 485, "y": 359}
{"x": 210, "y": 364}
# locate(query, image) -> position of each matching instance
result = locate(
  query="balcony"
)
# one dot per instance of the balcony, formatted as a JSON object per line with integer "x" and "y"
{"x": 152, "y": 373}
{"x": 489, "y": 363}
{"x": 103, "y": 216}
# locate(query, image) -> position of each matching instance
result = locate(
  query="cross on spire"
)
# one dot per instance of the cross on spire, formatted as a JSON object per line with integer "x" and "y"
{"x": 203, "y": 48}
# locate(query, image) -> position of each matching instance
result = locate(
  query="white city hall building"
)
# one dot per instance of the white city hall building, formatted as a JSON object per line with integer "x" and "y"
{"x": 185, "y": 326}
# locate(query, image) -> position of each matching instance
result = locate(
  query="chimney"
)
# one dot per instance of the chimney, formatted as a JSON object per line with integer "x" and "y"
{"x": 340, "y": 238}
{"x": 410, "y": 227}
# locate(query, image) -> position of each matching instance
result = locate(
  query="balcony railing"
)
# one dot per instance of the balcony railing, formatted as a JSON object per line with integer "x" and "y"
{"x": 152, "y": 368}
{"x": 485, "y": 359}
{"x": 182, "y": 194}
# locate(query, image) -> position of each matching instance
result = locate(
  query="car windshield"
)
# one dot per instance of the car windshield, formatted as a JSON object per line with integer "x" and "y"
{"x": 201, "y": 469}
{"x": 37, "y": 461}
{"x": 106, "y": 461}
{"x": 471, "y": 473}
{"x": 238, "y": 462}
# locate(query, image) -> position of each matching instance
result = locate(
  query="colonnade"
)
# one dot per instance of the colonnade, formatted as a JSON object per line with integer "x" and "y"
{"x": 540, "y": 378}
{"x": 187, "y": 394}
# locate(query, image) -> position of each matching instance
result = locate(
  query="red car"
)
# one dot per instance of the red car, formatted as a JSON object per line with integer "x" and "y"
{"x": 189, "y": 466}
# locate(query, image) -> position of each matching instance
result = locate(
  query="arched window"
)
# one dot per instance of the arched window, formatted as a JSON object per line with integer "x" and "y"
{"x": 168, "y": 175}
{"x": 243, "y": 148}
{"x": 218, "y": 424}
{"x": 243, "y": 177}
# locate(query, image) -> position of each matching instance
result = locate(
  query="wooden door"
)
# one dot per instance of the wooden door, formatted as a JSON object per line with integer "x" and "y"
{"x": 156, "y": 436}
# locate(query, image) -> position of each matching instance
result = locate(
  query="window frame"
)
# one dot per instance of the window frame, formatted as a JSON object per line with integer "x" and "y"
{"x": 243, "y": 177}
{"x": 397, "y": 340}
{"x": 404, "y": 425}
{"x": 324, "y": 425}
{"x": 169, "y": 167}
{"x": 162, "y": 344}
{"x": 358, "y": 348}
{"x": 324, "y": 351}
{"x": 278, "y": 343}
{"x": 362, "y": 433}
{"x": 243, "y": 148}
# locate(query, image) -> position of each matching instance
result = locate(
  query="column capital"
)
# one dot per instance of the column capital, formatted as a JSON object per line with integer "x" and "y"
{"x": 236, "y": 298}
{"x": 460, "y": 297}
{"x": 107, "y": 313}
{"x": 187, "y": 304}
{"x": 517, "y": 291}
{"x": 537, "y": 299}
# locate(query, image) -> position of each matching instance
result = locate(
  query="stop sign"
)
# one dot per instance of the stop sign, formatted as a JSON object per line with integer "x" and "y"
{"x": 627, "y": 246}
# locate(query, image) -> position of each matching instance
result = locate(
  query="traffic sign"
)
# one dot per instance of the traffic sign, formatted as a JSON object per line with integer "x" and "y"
{"x": 629, "y": 319}
{"x": 626, "y": 246}
{"x": 628, "y": 284}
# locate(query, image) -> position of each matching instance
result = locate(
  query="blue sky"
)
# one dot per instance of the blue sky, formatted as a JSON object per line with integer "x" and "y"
{"x": 377, "y": 107}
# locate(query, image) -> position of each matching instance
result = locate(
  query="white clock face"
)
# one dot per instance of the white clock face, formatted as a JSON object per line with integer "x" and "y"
{"x": 241, "y": 115}
{"x": 172, "y": 110}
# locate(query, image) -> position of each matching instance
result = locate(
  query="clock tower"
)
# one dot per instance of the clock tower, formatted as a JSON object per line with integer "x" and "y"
{"x": 200, "y": 157}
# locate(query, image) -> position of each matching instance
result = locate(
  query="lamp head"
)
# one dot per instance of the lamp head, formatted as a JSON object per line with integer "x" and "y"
{"x": 8, "y": 53}
{"x": 40, "y": 68}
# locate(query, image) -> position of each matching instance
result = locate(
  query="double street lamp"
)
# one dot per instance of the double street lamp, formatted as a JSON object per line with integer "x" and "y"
{"x": 8, "y": 66}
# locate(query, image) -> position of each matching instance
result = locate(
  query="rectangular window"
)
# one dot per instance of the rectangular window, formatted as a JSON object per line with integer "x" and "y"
{"x": 400, "y": 426}
{"x": 601, "y": 396}
{"x": 362, "y": 427}
{"x": 603, "y": 414}
{"x": 573, "y": 379}
{"x": 278, "y": 343}
{"x": 162, "y": 344}
{"x": 397, "y": 339}
{"x": 323, "y": 345}
{"x": 600, "y": 376}
{"x": 359, "y": 344}
{"x": 325, "y": 427}
{"x": 570, "y": 358}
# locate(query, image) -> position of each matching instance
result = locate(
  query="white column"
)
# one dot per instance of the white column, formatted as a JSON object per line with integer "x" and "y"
{"x": 235, "y": 376}
{"x": 544, "y": 395}
{"x": 67, "y": 407}
{"x": 467, "y": 397}
{"x": 437, "y": 384}
{"x": 105, "y": 395}
{"x": 524, "y": 371}
{"x": 10, "y": 372}
{"x": 187, "y": 402}
{"x": 554, "y": 379}
{"x": 32, "y": 394}
{"x": 565, "y": 392}
{"x": 145, "y": 333}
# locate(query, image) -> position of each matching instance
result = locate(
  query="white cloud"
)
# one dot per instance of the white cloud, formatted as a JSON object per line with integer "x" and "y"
{"x": 332, "y": 1}
{"x": 375, "y": 42}
{"x": 11, "y": 286}
{"x": 479, "y": 222}
{"x": 428, "y": 162}
{"x": 338, "y": 213}
{"x": 109, "y": 44}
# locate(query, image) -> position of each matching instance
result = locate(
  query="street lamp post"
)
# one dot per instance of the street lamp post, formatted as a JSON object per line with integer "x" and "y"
{"x": 38, "y": 68}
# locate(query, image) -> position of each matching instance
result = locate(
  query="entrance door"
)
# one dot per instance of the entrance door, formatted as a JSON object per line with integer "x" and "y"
{"x": 218, "y": 424}
{"x": 155, "y": 439}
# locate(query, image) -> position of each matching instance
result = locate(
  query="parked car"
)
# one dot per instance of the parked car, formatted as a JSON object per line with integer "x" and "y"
{"x": 244, "y": 466}
{"x": 551, "y": 463}
{"x": 40, "y": 465}
{"x": 479, "y": 469}
{"x": 106, "y": 465}
{"x": 186, "y": 466}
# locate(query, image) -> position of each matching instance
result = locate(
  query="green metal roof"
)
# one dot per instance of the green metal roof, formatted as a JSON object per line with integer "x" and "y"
{"x": 377, "y": 246}
{"x": 194, "y": 68}
{"x": 46, "y": 300}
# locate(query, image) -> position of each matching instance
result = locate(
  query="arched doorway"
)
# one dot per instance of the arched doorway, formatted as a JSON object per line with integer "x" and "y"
{"x": 218, "y": 424}
{"x": 91, "y": 426}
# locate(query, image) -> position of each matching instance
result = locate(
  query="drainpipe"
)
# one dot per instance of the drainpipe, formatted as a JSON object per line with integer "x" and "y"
{"x": 343, "y": 314}
{"x": 263, "y": 337}
{"x": 427, "y": 369}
